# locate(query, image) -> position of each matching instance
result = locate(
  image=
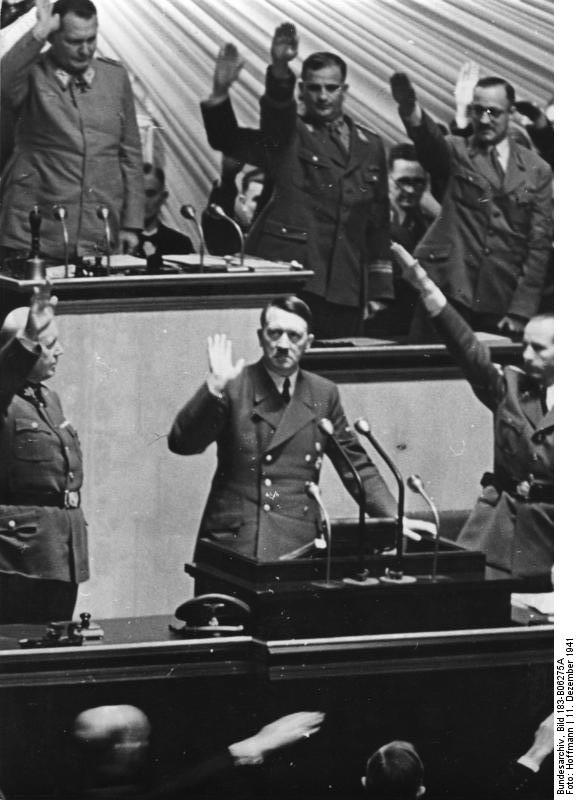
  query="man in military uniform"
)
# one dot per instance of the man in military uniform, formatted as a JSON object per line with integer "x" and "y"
{"x": 513, "y": 521}
{"x": 76, "y": 138}
{"x": 327, "y": 179}
{"x": 43, "y": 542}
{"x": 264, "y": 419}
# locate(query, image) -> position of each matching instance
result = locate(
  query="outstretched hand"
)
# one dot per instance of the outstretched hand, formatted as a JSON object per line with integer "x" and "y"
{"x": 222, "y": 369}
{"x": 227, "y": 68}
{"x": 465, "y": 82}
{"x": 284, "y": 47}
{"x": 403, "y": 93}
{"x": 41, "y": 314}
{"x": 278, "y": 734}
{"x": 46, "y": 21}
{"x": 412, "y": 271}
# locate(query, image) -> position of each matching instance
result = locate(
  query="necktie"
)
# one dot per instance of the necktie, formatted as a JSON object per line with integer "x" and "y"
{"x": 497, "y": 164}
{"x": 286, "y": 391}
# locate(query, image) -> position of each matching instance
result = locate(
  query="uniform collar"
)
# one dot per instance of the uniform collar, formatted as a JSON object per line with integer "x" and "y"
{"x": 82, "y": 81}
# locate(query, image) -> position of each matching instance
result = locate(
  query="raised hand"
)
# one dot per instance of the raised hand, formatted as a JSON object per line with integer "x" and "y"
{"x": 284, "y": 47}
{"x": 403, "y": 93}
{"x": 222, "y": 370}
{"x": 280, "y": 733}
{"x": 46, "y": 21}
{"x": 412, "y": 271}
{"x": 41, "y": 314}
{"x": 464, "y": 90}
{"x": 227, "y": 69}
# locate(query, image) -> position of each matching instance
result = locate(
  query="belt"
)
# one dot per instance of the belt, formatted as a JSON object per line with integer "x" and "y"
{"x": 70, "y": 498}
{"x": 529, "y": 491}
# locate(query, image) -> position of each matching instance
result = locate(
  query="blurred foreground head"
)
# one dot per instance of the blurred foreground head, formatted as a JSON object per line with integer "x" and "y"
{"x": 395, "y": 772}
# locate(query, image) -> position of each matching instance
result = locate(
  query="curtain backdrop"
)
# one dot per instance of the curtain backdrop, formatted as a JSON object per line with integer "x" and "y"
{"x": 169, "y": 47}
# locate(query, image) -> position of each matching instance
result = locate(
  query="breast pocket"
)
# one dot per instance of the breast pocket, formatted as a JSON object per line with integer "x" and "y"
{"x": 32, "y": 441}
{"x": 313, "y": 173}
{"x": 470, "y": 189}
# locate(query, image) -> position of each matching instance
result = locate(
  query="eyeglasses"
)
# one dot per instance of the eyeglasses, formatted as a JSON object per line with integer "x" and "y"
{"x": 275, "y": 334}
{"x": 330, "y": 88}
{"x": 414, "y": 183}
{"x": 478, "y": 110}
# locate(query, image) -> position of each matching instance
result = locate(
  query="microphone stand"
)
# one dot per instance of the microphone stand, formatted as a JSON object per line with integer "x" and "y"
{"x": 60, "y": 213}
{"x": 189, "y": 212}
{"x": 313, "y": 491}
{"x": 35, "y": 264}
{"x": 362, "y": 577}
{"x": 395, "y": 575}
{"x": 219, "y": 212}
{"x": 103, "y": 213}
{"x": 416, "y": 484}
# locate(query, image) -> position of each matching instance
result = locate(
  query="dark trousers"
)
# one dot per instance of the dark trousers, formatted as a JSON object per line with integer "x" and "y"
{"x": 332, "y": 320}
{"x": 35, "y": 600}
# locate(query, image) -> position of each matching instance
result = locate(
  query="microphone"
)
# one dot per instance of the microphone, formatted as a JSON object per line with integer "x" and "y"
{"x": 189, "y": 212}
{"x": 312, "y": 490}
{"x": 60, "y": 213}
{"x": 416, "y": 484}
{"x": 34, "y": 263}
{"x": 363, "y": 574}
{"x": 363, "y": 427}
{"x": 218, "y": 211}
{"x": 103, "y": 213}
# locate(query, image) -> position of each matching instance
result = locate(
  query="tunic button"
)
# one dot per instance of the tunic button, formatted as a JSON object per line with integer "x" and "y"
{"x": 307, "y": 457}
{"x": 314, "y": 158}
{"x": 267, "y": 482}
{"x": 11, "y": 524}
{"x": 268, "y": 457}
{"x": 266, "y": 507}
{"x": 70, "y": 475}
{"x": 284, "y": 230}
{"x": 34, "y": 424}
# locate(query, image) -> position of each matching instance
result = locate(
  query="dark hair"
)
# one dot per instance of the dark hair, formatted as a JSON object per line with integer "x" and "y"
{"x": 252, "y": 176}
{"x": 493, "y": 80}
{"x": 81, "y": 8}
{"x": 394, "y": 772}
{"x": 405, "y": 151}
{"x": 323, "y": 59}
{"x": 290, "y": 303}
{"x": 157, "y": 172}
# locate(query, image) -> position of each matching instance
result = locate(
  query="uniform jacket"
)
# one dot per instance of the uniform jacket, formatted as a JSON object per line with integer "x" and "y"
{"x": 39, "y": 452}
{"x": 328, "y": 210}
{"x": 490, "y": 245}
{"x": 515, "y": 535}
{"x": 78, "y": 148}
{"x": 258, "y": 505}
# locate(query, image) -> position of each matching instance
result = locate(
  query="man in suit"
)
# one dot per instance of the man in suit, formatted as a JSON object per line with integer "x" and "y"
{"x": 489, "y": 248}
{"x": 76, "y": 138}
{"x": 328, "y": 206}
{"x": 513, "y": 520}
{"x": 43, "y": 536}
{"x": 264, "y": 419}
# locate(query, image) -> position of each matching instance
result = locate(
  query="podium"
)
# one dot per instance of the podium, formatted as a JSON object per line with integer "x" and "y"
{"x": 291, "y": 599}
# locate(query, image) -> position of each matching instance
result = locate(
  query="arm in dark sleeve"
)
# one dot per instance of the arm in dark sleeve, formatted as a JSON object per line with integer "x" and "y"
{"x": 379, "y": 500}
{"x": 472, "y": 356}
{"x": 199, "y": 423}
{"x": 225, "y": 135}
{"x": 224, "y": 193}
{"x": 207, "y": 776}
{"x": 432, "y": 147}
{"x": 543, "y": 140}
{"x": 16, "y": 360}
{"x": 528, "y": 292}
{"x": 15, "y": 69}
{"x": 278, "y": 110}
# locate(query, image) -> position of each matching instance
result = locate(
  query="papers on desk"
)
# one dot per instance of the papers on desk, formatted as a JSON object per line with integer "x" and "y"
{"x": 532, "y": 608}
{"x": 229, "y": 263}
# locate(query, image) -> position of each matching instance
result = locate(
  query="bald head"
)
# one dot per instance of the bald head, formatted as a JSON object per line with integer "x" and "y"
{"x": 14, "y": 324}
{"x": 114, "y": 738}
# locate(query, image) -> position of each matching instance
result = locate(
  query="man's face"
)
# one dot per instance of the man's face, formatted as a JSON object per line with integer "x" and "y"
{"x": 246, "y": 203}
{"x": 490, "y": 112}
{"x": 45, "y": 367}
{"x": 154, "y": 197}
{"x": 323, "y": 93}
{"x": 284, "y": 340}
{"x": 74, "y": 43}
{"x": 538, "y": 353}
{"x": 407, "y": 181}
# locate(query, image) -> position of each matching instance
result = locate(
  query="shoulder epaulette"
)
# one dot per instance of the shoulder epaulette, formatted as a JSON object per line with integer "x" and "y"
{"x": 109, "y": 61}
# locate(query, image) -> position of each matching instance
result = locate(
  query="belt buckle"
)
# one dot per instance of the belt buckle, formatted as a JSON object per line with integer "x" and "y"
{"x": 71, "y": 498}
{"x": 523, "y": 490}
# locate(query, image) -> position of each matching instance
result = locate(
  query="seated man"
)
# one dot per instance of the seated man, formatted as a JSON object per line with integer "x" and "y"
{"x": 264, "y": 419}
{"x": 513, "y": 521}
{"x": 157, "y": 239}
{"x": 221, "y": 237}
{"x": 394, "y": 772}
